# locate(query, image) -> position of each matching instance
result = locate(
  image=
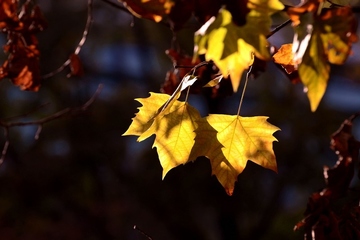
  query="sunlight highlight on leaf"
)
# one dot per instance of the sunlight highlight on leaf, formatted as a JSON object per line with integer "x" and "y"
{"x": 175, "y": 136}
{"x": 174, "y": 129}
{"x": 238, "y": 139}
{"x": 314, "y": 72}
{"x": 285, "y": 57}
{"x": 232, "y": 47}
{"x": 321, "y": 37}
{"x": 145, "y": 117}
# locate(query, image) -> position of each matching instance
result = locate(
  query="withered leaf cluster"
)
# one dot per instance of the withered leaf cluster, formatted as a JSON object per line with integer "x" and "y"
{"x": 179, "y": 12}
{"x": 332, "y": 213}
{"x": 20, "y": 24}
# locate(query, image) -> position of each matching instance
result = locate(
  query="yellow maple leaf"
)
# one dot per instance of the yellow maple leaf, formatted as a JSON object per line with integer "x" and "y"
{"x": 173, "y": 126}
{"x": 230, "y": 141}
{"x": 175, "y": 136}
{"x": 314, "y": 72}
{"x": 232, "y": 47}
{"x": 154, "y": 108}
{"x": 320, "y": 38}
{"x": 145, "y": 117}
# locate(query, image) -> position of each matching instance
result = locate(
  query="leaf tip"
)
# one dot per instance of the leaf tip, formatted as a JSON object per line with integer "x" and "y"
{"x": 165, "y": 171}
{"x": 313, "y": 107}
{"x": 229, "y": 191}
{"x": 275, "y": 169}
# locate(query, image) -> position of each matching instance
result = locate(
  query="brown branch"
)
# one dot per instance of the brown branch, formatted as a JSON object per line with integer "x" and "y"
{"x": 25, "y": 114}
{"x": 142, "y": 232}
{"x": 80, "y": 44}
{"x": 6, "y": 144}
{"x": 40, "y": 122}
{"x": 278, "y": 28}
{"x": 115, "y": 5}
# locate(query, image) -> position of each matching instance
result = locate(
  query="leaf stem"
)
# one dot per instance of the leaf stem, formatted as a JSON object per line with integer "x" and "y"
{"x": 244, "y": 89}
{"x": 278, "y": 28}
{"x": 187, "y": 94}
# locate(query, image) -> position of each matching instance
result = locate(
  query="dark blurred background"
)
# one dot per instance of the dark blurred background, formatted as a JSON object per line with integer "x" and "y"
{"x": 83, "y": 180}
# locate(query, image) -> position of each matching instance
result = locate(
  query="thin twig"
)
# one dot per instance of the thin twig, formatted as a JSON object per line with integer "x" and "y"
{"x": 275, "y": 30}
{"x": 25, "y": 114}
{"x": 40, "y": 122}
{"x": 6, "y": 144}
{"x": 142, "y": 232}
{"x": 115, "y": 5}
{"x": 194, "y": 67}
{"x": 123, "y": 8}
{"x": 59, "y": 114}
{"x": 80, "y": 44}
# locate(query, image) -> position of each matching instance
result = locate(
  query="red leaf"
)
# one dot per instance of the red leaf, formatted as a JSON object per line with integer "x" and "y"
{"x": 8, "y": 14}
{"x": 22, "y": 65}
{"x": 76, "y": 67}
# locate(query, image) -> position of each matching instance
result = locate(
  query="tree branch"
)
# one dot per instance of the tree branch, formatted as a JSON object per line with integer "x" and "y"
{"x": 115, "y": 5}
{"x": 142, "y": 232}
{"x": 40, "y": 122}
{"x": 278, "y": 28}
{"x": 80, "y": 44}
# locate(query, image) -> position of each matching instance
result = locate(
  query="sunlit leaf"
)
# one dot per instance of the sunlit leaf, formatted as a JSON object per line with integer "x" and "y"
{"x": 321, "y": 37}
{"x": 285, "y": 57}
{"x": 175, "y": 136}
{"x": 215, "y": 81}
{"x": 314, "y": 71}
{"x": 145, "y": 117}
{"x": 174, "y": 129}
{"x": 232, "y": 47}
{"x": 230, "y": 141}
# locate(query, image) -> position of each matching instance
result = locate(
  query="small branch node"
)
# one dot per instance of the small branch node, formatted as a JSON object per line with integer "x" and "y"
{"x": 38, "y": 131}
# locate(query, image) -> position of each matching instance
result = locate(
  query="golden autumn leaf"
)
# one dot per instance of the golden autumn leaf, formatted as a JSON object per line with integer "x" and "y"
{"x": 314, "y": 72}
{"x": 174, "y": 128}
{"x": 145, "y": 117}
{"x": 320, "y": 38}
{"x": 154, "y": 108}
{"x": 232, "y": 47}
{"x": 175, "y": 136}
{"x": 230, "y": 141}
